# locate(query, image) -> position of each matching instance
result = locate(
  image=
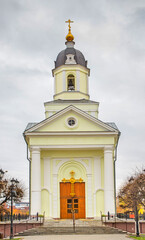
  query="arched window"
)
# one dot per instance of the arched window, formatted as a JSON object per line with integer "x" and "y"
{"x": 70, "y": 83}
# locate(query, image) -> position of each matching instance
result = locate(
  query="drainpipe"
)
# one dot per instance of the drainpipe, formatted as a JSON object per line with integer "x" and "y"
{"x": 28, "y": 158}
{"x": 115, "y": 159}
{"x": 29, "y": 180}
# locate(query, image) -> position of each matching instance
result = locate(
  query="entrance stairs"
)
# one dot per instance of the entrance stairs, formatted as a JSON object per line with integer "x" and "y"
{"x": 65, "y": 227}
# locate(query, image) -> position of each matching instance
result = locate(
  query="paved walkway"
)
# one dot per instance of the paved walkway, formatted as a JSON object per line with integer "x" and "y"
{"x": 78, "y": 237}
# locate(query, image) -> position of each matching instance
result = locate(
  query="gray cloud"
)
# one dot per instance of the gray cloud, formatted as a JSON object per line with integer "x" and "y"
{"x": 110, "y": 34}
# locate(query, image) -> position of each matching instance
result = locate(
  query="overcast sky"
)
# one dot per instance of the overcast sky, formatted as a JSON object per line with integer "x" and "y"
{"x": 110, "y": 34}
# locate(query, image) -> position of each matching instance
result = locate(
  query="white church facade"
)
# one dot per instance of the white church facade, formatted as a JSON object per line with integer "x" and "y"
{"x": 72, "y": 152}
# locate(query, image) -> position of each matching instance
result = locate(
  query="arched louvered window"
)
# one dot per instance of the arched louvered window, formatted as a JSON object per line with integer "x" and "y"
{"x": 70, "y": 83}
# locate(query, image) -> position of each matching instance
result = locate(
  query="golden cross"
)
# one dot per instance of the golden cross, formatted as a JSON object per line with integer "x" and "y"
{"x": 72, "y": 180}
{"x": 69, "y": 21}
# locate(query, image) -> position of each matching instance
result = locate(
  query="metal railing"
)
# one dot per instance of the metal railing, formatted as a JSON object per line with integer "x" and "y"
{"x": 21, "y": 221}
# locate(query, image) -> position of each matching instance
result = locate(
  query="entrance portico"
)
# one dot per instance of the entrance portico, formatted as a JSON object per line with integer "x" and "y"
{"x": 93, "y": 171}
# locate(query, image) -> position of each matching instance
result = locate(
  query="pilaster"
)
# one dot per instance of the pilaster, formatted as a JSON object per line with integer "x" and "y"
{"x": 89, "y": 196}
{"x": 108, "y": 180}
{"x": 77, "y": 80}
{"x": 36, "y": 182}
{"x": 55, "y": 195}
{"x": 64, "y": 80}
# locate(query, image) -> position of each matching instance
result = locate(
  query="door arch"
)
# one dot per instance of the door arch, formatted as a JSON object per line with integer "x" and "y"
{"x": 78, "y": 202}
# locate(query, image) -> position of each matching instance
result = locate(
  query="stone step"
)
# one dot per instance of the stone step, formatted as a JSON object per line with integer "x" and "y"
{"x": 69, "y": 223}
{"x": 69, "y": 230}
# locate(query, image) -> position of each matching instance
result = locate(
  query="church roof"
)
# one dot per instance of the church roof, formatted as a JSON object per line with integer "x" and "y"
{"x": 29, "y": 125}
{"x": 71, "y": 101}
{"x": 78, "y": 56}
{"x": 112, "y": 124}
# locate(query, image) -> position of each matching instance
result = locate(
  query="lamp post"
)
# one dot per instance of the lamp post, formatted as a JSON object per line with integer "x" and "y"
{"x": 136, "y": 211}
{"x": 13, "y": 186}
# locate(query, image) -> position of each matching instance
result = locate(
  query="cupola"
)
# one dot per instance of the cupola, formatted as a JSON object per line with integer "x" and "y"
{"x": 70, "y": 72}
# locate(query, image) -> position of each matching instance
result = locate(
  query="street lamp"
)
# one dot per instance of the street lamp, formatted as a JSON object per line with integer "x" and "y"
{"x": 13, "y": 187}
{"x": 136, "y": 211}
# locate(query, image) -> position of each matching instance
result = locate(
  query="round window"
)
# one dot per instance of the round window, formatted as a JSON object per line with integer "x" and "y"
{"x": 71, "y": 122}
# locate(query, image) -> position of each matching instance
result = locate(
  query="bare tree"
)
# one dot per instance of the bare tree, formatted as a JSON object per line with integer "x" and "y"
{"x": 132, "y": 194}
{"x": 5, "y": 190}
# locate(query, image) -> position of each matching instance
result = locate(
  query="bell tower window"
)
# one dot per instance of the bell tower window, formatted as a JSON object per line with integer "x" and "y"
{"x": 70, "y": 83}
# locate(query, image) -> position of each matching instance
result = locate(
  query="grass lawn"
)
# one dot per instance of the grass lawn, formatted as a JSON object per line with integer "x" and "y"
{"x": 142, "y": 237}
{"x": 16, "y": 238}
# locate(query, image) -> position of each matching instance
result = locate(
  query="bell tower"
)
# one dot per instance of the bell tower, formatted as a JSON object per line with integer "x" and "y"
{"x": 70, "y": 72}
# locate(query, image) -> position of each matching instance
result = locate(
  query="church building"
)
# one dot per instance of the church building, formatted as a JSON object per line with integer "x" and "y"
{"x": 72, "y": 152}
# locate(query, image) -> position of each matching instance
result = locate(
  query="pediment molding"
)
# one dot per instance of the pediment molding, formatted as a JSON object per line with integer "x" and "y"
{"x": 75, "y": 110}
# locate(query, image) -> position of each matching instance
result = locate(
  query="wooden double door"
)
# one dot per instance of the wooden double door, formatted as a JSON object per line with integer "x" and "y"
{"x": 68, "y": 203}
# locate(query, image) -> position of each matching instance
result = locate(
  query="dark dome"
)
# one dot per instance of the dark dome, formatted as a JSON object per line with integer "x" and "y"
{"x": 78, "y": 56}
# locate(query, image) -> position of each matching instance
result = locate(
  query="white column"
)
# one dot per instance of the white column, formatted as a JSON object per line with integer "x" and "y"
{"x": 97, "y": 180}
{"x": 54, "y": 84}
{"x": 89, "y": 196}
{"x": 87, "y": 84}
{"x": 78, "y": 80}
{"x": 55, "y": 196}
{"x": 47, "y": 182}
{"x": 108, "y": 181}
{"x": 35, "y": 182}
{"x": 97, "y": 173}
{"x": 64, "y": 80}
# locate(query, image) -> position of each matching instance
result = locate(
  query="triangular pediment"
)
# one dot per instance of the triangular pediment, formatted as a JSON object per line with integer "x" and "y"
{"x": 59, "y": 122}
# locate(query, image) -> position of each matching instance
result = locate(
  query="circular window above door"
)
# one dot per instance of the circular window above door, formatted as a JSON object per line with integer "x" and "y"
{"x": 71, "y": 122}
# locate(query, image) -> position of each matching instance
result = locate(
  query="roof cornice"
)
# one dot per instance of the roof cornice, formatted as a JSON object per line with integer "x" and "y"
{"x": 73, "y": 66}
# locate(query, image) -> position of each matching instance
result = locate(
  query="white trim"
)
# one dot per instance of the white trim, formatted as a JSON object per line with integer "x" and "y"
{"x": 47, "y": 181}
{"x": 97, "y": 173}
{"x": 86, "y": 110}
{"x": 89, "y": 196}
{"x": 36, "y": 182}
{"x": 55, "y": 198}
{"x": 69, "y": 118}
{"x": 71, "y": 67}
{"x": 78, "y": 80}
{"x": 70, "y": 133}
{"x": 87, "y": 84}
{"x": 108, "y": 181}
{"x": 78, "y": 146}
{"x": 64, "y": 80}
{"x": 54, "y": 84}
{"x": 88, "y": 183}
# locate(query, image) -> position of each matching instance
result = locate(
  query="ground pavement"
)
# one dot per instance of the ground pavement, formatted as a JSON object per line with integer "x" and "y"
{"x": 78, "y": 237}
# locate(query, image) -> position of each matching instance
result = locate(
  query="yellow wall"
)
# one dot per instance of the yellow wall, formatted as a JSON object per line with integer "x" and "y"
{"x": 58, "y": 83}
{"x": 61, "y": 93}
{"x": 100, "y": 202}
{"x": 70, "y": 140}
{"x": 83, "y": 82}
{"x": 55, "y": 107}
{"x": 64, "y": 172}
{"x": 45, "y": 202}
{"x": 71, "y": 95}
{"x": 60, "y": 124}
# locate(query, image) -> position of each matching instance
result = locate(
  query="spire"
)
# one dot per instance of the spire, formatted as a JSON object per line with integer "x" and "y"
{"x": 69, "y": 36}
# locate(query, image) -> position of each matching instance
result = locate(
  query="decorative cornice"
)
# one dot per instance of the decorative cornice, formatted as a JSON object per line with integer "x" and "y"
{"x": 70, "y": 133}
{"x": 71, "y": 67}
{"x": 78, "y": 146}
